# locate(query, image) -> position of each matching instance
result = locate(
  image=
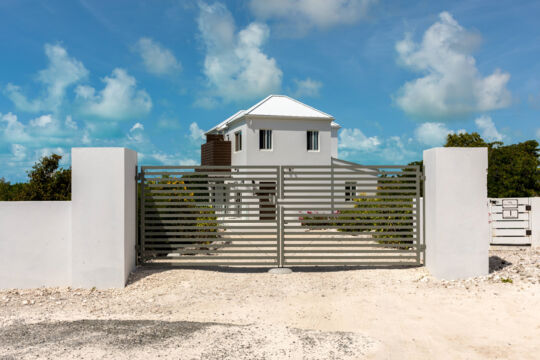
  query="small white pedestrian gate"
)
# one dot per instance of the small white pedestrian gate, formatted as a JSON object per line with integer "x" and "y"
{"x": 510, "y": 221}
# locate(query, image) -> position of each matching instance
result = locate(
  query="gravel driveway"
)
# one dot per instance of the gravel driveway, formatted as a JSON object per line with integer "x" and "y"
{"x": 313, "y": 313}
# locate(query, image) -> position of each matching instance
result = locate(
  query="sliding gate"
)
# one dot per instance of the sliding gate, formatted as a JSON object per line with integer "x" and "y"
{"x": 342, "y": 214}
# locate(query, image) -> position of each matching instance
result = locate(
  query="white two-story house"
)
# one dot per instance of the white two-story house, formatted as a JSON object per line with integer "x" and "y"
{"x": 278, "y": 130}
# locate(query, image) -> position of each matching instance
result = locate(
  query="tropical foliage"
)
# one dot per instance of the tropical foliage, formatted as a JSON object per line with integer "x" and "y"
{"x": 46, "y": 181}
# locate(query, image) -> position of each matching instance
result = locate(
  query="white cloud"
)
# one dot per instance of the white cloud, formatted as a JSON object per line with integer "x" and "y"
{"x": 119, "y": 99}
{"x": 452, "y": 85}
{"x": 12, "y": 129}
{"x": 156, "y": 58}
{"x": 234, "y": 65}
{"x": 62, "y": 72}
{"x": 195, "y": 132}
{"x": 433, "y": 134}
{"x": 42, "y": 121}
{"x": 18, "y": 151}
{"x": 396, "y": 152}
{"x": 136, "y": 133}
{"x": 487, "y": 129}
{"x": 188, "y": 162}
{"x": 307, "y": 87}
{"x": 70, "y": 123}
{"x": 303, "y": 14}
{"x": 170, "y": 159}
{"x": 356, "y": 140}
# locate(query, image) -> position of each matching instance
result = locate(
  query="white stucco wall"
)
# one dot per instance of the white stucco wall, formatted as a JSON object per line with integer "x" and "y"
{"x": 104, "y": 220}
{"x": 238, "y": 157}
{"x": 456, "y": 217}
{"x": 289, "y": 142}
{"x": 334, "y": 141}
{"x": 35, "y": 244}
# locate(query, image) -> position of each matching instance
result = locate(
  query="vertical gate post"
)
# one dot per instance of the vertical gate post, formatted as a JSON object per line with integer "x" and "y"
{"x": 281, "y": 218}
{"x": 418, "y": 212}
{"x": 142, "y": 205}
{"x": 457, "y": 229}
{"x": 103, "y": 216}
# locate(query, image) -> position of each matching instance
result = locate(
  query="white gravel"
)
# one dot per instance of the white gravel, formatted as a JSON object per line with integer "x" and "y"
{"x": 331, "y": 313}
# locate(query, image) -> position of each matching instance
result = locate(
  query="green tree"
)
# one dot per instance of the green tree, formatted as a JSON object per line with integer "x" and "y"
{"x": 513, "y": 170}
{"x": 47, "y": 181}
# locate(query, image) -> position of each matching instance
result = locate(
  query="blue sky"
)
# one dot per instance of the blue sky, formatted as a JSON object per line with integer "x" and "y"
{"x": 151, "y": 75}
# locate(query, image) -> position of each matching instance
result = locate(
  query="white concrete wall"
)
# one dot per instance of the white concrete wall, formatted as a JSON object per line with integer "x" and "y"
{"x": 35, "y": 244}
{"x": 457, "y": 229}
{"x": 104, "y": 219}
{"x": 289, "y": 142}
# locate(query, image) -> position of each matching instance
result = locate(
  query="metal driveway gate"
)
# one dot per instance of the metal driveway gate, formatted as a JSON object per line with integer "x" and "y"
{"x": 341, "y": 214}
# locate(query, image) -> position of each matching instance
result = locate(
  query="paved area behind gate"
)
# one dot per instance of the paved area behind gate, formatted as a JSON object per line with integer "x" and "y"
{"x": 328, "y": 313}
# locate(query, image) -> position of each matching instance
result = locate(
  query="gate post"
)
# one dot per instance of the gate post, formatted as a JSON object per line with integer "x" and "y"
{"x": 103, "y": 216}
{"x": 456, "y": 208}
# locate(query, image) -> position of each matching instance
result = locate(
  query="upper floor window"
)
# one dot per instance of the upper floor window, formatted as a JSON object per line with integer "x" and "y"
{"x": 265, "y": 139}
{"x": 312, "y": 140}
{"x": 238, "y": 141}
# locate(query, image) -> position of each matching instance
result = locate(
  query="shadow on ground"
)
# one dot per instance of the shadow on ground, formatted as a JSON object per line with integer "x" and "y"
{"x": 113, "y": 333}
{"x": 149, "y": 269}
{"x": 496, "y": 263}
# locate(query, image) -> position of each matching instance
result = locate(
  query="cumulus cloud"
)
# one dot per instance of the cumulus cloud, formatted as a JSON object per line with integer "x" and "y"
{"x": 12, "y": 130}
{"x": 61, "y": 72}
{"x": 118, "y": 100}
{"x": 301, "y": 15}
{"x": 307, "y": 87}
{"x": 487, "y": 129}
{"x": 156, "y": 58}
{"x": 451, "y": 85}
{"x": 195, "y": 132}
{"x": 235, "y": 66}
{"x": 356, "y": 140}
{"x": 357, "y": 147}
{"x": 433, "y": 134}
{"x": 42, "y": 121}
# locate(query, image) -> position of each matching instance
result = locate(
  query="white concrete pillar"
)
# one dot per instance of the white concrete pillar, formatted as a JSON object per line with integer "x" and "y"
{"x": 535, "y": 222}
{"x": 103, "y": 216}
{"x": 457, "y": 228}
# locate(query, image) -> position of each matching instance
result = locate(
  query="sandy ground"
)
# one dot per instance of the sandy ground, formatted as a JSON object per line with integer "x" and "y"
{"x": 330, "y": 313}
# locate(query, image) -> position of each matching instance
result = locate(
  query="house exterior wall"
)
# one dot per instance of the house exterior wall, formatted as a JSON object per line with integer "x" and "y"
{"x": 289, "y": 142}
{"x": 334, "y": 141}
{"x": 238, "y": 157}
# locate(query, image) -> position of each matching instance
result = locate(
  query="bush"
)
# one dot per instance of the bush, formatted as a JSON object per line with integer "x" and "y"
{"x": 204, "y": 218}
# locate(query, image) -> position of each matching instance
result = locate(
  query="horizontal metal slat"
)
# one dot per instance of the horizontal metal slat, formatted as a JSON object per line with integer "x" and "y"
{"x": 294, "y": 257}
{"x": 352, "y": 263}
{"x": 188, "y": 241}
{"x": 187, "y": 227}
{"x": 348, "y": 251}
{"x": 290, "y": 239}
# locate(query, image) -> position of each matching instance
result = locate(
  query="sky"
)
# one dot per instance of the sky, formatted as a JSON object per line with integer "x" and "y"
{"x": 154, "y": 75}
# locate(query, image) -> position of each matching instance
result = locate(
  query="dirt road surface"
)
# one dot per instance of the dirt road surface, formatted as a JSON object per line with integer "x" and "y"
{"x": 330, "y": 313}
